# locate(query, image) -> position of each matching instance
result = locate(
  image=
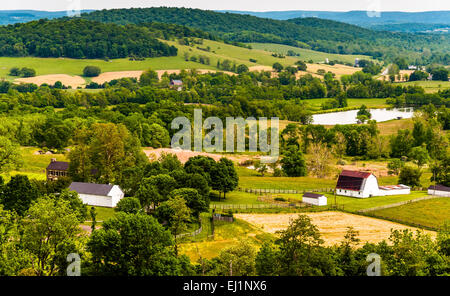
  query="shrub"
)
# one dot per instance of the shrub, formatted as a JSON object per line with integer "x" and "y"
{"x": 14, "y": 72}
{"x": 27, "y": 72}
{"x": 91, "y": 71}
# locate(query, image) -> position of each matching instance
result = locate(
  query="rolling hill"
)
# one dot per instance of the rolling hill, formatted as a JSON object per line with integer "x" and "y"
{"x": 8, "y": 17}
{"x": 311, "y": 33}
{"x": 360, "y": 18}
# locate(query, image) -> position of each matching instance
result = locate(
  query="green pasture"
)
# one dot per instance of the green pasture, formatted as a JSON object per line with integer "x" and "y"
{"x": 432, "y": 213}
{"x": 429, "y": 86}
{"x": 307, "y": 54}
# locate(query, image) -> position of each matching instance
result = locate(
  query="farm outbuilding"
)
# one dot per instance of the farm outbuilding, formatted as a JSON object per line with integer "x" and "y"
{"x": 101, "y": 195}
{"x": 365, "y": 185}
{"x": 439, "y": 190}
{"x": 314, "y": 199}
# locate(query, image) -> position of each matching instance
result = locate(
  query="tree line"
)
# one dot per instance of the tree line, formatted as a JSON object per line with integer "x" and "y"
{"x": 79, "y": 39}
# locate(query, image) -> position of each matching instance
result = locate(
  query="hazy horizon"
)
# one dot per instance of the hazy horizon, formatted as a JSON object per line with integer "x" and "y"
{"x": 237, "y": 5}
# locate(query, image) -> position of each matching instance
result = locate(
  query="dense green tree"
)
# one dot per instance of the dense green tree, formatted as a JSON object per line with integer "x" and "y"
{"x": 10, "y": 157}
{"x": 14, "y": 260}
{"x": 176, "y": 215}
{"x": 242, "y": 69}
{"x": 278, "y": 67}
{"x": 19, "y": 194}
{"x": 293, "y": 162}
{"x": 224, "y": 177}
{"x": 301, "y": 252}
{"x": 129, "y": 205}
{"x": 419, "y": 155}
{"x": 441, "y": 172}
{"x": 401, "y": 144}
{"x": 149, "y": 77}
{"x": 135, "y": 245}
{"x": 196, "y": 202}
{"x": 410, "y": 176}
{"x": 52, "y": 232}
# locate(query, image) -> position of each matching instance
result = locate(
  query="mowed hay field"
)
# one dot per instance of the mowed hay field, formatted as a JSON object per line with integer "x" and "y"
{"x": 67, "y": 80}
{"x": 432, "y": 213}
{"x": 337, "y": 69}
{"x": 332, "y": 225}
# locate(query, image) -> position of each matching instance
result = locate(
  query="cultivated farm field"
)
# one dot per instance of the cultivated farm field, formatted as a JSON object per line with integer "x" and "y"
{"x": 332, "y": 225}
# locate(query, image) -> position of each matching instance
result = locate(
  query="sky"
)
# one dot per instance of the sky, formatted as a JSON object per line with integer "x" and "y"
{"x": 246, "y": 5}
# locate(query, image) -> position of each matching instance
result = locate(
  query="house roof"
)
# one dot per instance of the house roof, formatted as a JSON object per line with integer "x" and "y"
{"x": 176, "y": 82}
{"x": 351, "y": 180}
{"x": 58, "y": 166}
{"x": 355, "y": 174}
{"x": 394, "y": 187}
{"x": 439, "y": 188}
{"x": 91, "y": 188}
{"x": 312, "y": 195}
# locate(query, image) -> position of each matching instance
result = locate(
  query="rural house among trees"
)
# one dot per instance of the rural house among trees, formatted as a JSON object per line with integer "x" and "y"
{"x": 101, "y": 195}
{"x": 365, "y": 184}
{"x": 57, "y": 169}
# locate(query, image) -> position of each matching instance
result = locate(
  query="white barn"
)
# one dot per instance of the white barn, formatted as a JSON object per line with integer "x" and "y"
{"x": 439, "y": 190}
{"x": 101, "y": 195}
{"x": 314, "y": 199}
{"x": 365, "y": 185}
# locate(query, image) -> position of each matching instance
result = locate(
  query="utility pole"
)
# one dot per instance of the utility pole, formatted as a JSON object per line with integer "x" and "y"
{"x": 231, "y": 267}
{"x": 335, "y": 198}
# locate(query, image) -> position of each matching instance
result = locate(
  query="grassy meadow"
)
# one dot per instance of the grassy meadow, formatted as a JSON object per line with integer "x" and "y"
{"x": 430, "y": 86}
{"x": 225, "y": 235}
{"x": 307, "y": 54}
{"x": 218, "y": 51}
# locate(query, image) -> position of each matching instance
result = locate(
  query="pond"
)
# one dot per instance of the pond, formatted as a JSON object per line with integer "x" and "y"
{"x": 349, "y": 117}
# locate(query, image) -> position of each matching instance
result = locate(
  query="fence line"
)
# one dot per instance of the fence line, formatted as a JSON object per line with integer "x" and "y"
{"x": 195, "y": 233}
{"x": 295, "y": 191}
{"x": 283, "y": 191}
{"x": 251, "y": 206}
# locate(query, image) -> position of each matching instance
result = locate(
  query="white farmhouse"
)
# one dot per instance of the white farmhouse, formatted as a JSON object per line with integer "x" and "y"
{"x": 101, "y": 195}
{"x": 365, "y": 184}
{"x": 439, "y": 190}
{"x": 314, "y": 199}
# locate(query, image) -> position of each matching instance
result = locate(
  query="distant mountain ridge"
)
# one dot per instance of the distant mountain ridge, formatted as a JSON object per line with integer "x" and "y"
{"x": 8, "y": 17}
{"x": 360, "y": 18}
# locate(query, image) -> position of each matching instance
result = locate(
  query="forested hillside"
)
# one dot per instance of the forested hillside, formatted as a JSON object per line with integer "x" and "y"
{"x": 313, "y": 33}
{"x": 78, "y": 38}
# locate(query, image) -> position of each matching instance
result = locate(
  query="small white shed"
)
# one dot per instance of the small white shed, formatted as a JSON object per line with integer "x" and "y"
{"x": 101, "y": 195}
{"x": 439, "y": 190}
{"x": 315, "y": 199}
